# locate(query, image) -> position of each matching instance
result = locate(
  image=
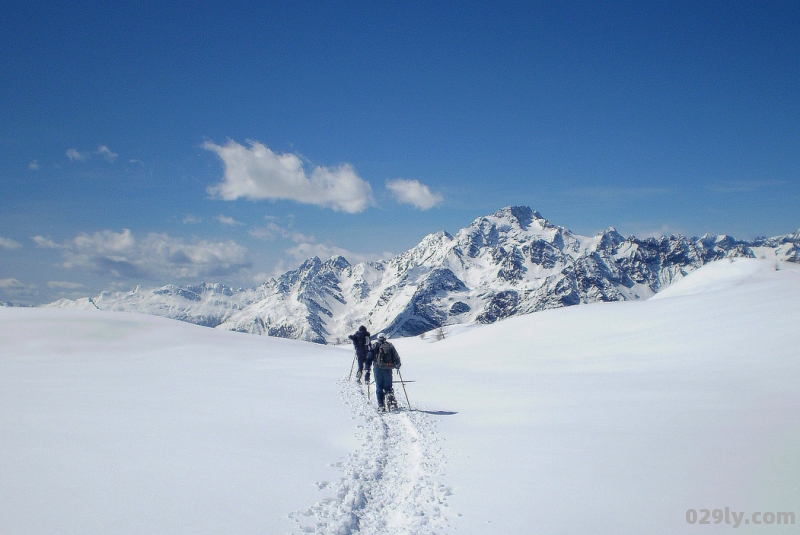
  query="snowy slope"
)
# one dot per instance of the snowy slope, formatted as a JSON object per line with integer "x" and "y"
{"x": 205, "y": 304}
{"x": 505, "y": 264}
{"x": 125, "y": 423}
{"x": 619, "y": 417}
{"x": 611, "y": 418}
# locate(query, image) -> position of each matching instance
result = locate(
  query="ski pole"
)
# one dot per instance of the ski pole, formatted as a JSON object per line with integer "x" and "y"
{"x": 404, "y": 387}
{"x": 349, "y": 377}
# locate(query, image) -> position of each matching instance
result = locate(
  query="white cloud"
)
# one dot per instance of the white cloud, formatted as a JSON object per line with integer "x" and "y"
{"x": 228, "y": 221}
{"x": 414, "y": 193}
{"x": 45, "y": 243}
{"x": 63, "y": 285}
{"x": 156, "y": 256}
{"x": 8, "y": 244}
{"x": 257, "y": 173}
{"x": 34, "y": 165}
{"x": 262, "y": 276}
{"x": 611, "y": 192}
{"x": 15, "y": 289}
{"x": 75, "y": 155}
{"x": 106, "y": 153}
{"x": 744, "y": 186}
{"x": 12, "y": 284}
{"x": 305, "y": 250}
{"x": 267, "y": 233}
{"x": 306, "y": 245}
{"x": 191, "y": 220}
{"x": 273, "y": 231}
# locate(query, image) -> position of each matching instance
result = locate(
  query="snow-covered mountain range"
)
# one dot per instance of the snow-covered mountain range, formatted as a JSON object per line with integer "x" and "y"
{"x": 508, "y": 263}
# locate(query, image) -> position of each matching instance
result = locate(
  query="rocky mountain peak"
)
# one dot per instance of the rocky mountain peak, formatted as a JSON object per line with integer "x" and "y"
{"x": 337, "y": 263}
{"x": 511, "y": 262}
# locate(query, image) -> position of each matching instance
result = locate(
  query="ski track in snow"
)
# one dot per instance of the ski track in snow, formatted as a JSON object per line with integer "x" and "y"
{"x": 391, "y": 483}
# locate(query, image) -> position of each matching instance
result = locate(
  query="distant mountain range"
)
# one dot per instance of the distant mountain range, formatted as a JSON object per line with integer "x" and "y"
{"x": 511, "y": 262}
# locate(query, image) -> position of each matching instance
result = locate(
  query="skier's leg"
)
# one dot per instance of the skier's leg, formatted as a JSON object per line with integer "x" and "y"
{"x": 380, "y": 386}
{"x": 391, "y": 401}
{"x": 360, "y": 357}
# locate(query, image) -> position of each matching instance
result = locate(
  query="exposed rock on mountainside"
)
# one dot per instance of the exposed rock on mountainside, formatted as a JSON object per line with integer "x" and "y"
{"x": 511, "y": 262}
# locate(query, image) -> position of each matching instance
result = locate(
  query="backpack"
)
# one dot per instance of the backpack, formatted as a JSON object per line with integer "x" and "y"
{"x": 386, "y": 355}
{"x": 360, "y": 340}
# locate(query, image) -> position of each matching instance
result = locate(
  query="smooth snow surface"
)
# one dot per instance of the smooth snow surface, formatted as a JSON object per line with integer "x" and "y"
{"x": 598, "y": 419}
{"x": 125, "y": 423}
{"x": 725, "y": 274}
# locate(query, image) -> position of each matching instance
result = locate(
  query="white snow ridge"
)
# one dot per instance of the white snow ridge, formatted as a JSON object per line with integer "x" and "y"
{"x": 391, "y": 484}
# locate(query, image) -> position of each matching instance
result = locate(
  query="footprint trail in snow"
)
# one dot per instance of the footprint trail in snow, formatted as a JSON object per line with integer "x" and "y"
{"x": 391, "y": 483}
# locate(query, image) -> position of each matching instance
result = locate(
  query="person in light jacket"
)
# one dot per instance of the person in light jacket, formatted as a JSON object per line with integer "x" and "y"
{"x": 384, "y": 359}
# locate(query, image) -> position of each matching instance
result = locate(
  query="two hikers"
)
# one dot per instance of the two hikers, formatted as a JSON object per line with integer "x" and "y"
{"x": 384, "y": 358}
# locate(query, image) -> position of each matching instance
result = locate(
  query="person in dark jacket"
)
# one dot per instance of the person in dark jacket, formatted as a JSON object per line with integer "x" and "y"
{"x": 361, "y": 343}
{"x": 385, "y": 359}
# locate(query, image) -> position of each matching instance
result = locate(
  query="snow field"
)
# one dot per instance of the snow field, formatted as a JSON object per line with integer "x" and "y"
{"x": 391, "y": 483}
{"x": 599, "y": 419}
{"x": 120, "y": 423}
{"x": 617, "y": 418}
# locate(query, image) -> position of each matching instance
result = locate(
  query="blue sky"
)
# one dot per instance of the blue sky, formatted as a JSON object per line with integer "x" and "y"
{"x": 174, "y": 142}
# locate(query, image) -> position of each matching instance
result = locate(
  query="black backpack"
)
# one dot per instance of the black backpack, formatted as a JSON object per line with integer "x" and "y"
{"x": 386, "y": 355}
{"x": 360, "y": 340}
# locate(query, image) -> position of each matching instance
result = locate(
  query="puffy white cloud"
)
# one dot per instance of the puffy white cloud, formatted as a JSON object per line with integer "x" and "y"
{"x": 106, "y": 153}
{"x": 156, "y": 256}
{"x": 414, "y": 193}
{"x": 75, "y": 155}
{"x": 8, "y": 244}
{"x": 34, "y": 165}
{"x": 228, "y": 221}
{"x": 257, "y": 173}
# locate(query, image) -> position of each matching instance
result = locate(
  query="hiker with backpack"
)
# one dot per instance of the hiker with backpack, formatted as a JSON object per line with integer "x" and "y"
{"x": 361, "y": 343}
{"x": 385, "y": 359}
